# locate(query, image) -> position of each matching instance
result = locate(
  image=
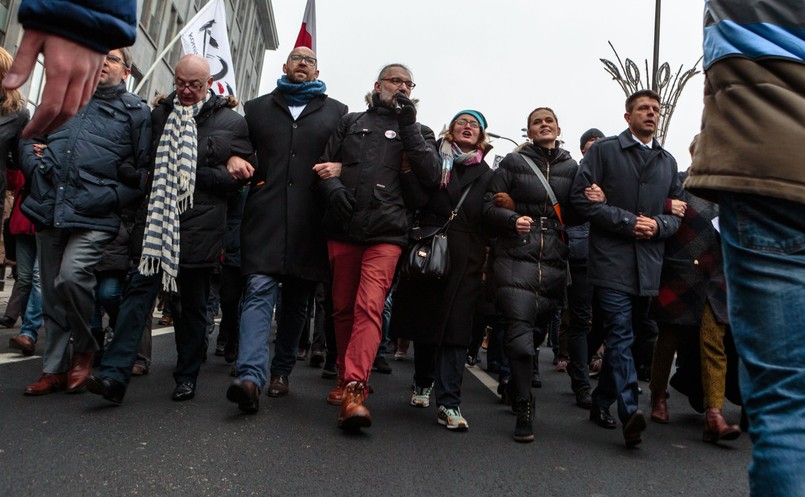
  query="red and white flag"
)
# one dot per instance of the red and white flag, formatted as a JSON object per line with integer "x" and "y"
{"x": 206, "y": 35}
{"x": 307, "y": 34}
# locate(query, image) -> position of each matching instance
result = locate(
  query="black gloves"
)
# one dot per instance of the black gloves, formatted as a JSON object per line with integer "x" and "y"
{"x": 129, "y": 175}
{"x": 406, "y": 114}
{"x": 341, "y": 202}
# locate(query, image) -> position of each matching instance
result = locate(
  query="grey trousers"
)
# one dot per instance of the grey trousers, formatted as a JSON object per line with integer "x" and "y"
{"x": 67, "y": 258}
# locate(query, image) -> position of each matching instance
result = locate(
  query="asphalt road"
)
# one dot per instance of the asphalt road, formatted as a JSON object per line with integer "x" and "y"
{"x": 151, "y": 446}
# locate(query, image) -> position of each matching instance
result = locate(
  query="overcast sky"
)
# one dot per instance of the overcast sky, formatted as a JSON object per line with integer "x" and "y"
{"x": 502, "y": 57}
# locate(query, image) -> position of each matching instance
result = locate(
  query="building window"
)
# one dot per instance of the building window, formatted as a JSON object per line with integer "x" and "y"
{"x": 177, "y": 25}
{"x": 151, "y": 18}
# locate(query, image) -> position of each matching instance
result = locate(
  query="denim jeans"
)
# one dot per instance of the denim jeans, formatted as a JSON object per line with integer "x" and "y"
{"x": 107, "y": 297}
{"x": 259, "y": 299}
{"x": 618, "y": 379}
{"x": 763, "y": 240}
{"x": 136, "y": 304}
{"x": 27, "y": 284}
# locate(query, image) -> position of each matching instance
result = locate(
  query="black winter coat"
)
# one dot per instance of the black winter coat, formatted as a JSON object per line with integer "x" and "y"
{"x": 530, "y": 270}
{"x": 635, "y": 181}
{"x": 282, "y": 234}
{"x": 222, "y": 133}
{"x": 441, "y": 312}
{"x": 370, "y": 145}
{"x": 10, "y": 128}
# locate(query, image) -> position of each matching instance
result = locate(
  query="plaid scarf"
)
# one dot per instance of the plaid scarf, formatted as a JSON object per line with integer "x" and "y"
{"x": 450, "y": 153}
{"x": 171, "y": 192}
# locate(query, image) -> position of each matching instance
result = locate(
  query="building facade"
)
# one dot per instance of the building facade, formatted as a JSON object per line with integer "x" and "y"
{"x": 250, "y": 25}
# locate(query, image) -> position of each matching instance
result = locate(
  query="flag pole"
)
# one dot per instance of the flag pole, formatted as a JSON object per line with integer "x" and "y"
{"x": 168, "y": 47}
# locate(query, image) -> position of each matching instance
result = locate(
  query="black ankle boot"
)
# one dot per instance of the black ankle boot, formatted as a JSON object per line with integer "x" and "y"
{"x": 524, "y": 430}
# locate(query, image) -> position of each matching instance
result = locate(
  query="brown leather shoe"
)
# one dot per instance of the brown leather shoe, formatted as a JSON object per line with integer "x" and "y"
{"x": 47, "y": 383}
{"x": 79, "y": 372}
{"x": 659, "y": 407}
{"x": 165, "y": 321}
{"x": 278, "y": 386}
{"x": 23, "y": 343}
{"x": 245, "y": 394}
{"x": 354, "y": 415}
{"x": 336, "y": 395}
{"x": 716, "y": 427}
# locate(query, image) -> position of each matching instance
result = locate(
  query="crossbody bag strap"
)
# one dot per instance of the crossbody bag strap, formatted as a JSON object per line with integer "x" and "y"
{"x": 455, "y": 211}
{"x": 545, "y": 184}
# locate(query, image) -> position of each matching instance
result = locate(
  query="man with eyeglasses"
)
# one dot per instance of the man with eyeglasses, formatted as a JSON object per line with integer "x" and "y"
{"x": 81, "y": 176}
{"x": 363, "y": 172}
{"x": 181, "y": 226}
{"x": 289, "y": 128}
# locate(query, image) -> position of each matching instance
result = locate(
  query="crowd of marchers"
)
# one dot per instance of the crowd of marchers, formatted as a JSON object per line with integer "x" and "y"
{"x": 301, "y": 211}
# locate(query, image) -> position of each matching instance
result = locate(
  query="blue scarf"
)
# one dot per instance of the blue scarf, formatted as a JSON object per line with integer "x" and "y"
{"x": 300, "y": 93}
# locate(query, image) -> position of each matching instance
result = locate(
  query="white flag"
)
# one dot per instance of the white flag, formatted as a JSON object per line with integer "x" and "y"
{"x": 206, "y": 35}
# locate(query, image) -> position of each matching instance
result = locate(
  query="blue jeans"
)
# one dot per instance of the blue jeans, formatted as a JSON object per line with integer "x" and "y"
{"x": 30, "y": 289}
{"x": 259, "y": 299}
{"x": 136, "y": 306}
{"x": 763, "y": 240}
{"x": 618, "y": 379}
{"x": 107, "y": 297}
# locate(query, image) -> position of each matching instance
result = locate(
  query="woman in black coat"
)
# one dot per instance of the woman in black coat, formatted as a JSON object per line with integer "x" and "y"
{"x": 530, "y": 249}
{"x": 437, "y": 315}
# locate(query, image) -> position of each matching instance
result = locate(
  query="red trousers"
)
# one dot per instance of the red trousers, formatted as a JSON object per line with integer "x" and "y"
{"x": 362, "y": 276}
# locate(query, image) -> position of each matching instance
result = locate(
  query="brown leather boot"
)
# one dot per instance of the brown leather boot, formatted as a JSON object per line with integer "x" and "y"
{"x": 354, "y": 415}
{"x": 716, "y": 427}
{"x": 79, "y": 372}
{"x": 659, "y": 407}
{"x": 336, "y": 395}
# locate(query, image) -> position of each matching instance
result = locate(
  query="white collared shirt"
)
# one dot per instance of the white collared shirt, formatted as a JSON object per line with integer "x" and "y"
{"x": 647, "y": 145}
{"x": 296, "y": 110}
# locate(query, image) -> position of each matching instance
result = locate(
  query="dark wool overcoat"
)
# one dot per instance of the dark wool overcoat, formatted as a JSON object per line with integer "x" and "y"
{"x": 441, "y": 312}
{"x": 281, "y": 233}
{"x": 636, "y": 180}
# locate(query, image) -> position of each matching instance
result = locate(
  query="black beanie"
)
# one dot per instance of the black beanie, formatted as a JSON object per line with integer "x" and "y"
{"x": 588, "y": 135}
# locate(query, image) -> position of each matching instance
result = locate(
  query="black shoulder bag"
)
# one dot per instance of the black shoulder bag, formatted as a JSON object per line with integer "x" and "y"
{"x": 427, "y": 256}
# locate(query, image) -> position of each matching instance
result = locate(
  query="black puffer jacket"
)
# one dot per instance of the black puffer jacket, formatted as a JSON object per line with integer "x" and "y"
{"x": 222, "y": 133}
{"x": 371, "y": 145}
{"x": 94, "y": 165}
{"x": 535, "y": 264}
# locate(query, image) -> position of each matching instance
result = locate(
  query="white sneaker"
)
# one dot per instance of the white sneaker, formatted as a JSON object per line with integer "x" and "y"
{"x": 452, "y": 419}
{"x": 420, "y": 397}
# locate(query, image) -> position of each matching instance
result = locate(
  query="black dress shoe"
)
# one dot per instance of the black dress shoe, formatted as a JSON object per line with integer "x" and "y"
{"x": 584, "y": 399}
{"x": 245, "y": 394}
{"x": 633, "y": 428}
{"x": 602, "y": 418}
{"x": 219, "y": 349}
{"x": 7, "y": 322}
{"x": 184, "y": 391}
{"x": 110, "y": 389}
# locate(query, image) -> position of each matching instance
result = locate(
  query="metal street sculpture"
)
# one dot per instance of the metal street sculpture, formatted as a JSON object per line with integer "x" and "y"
{"x": 669, "y": 88}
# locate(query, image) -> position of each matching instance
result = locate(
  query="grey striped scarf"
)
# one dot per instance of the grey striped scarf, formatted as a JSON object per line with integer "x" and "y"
{"x": 171, "y": 192}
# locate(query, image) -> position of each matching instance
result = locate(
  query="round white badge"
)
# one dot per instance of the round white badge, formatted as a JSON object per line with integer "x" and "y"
{"x": 391, "y": 134}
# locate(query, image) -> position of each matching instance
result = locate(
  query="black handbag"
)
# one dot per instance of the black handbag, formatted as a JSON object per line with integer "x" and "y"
{"x": 427, "y": 256}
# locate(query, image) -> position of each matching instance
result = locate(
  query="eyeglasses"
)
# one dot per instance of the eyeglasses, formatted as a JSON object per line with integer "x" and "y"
{"x": 116, "y": 60}
{"x": 299, "y": 58}
{"x": 464, "y": 122}
{"x": 399, "y": 82}
{"x": 193, "y": 85}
